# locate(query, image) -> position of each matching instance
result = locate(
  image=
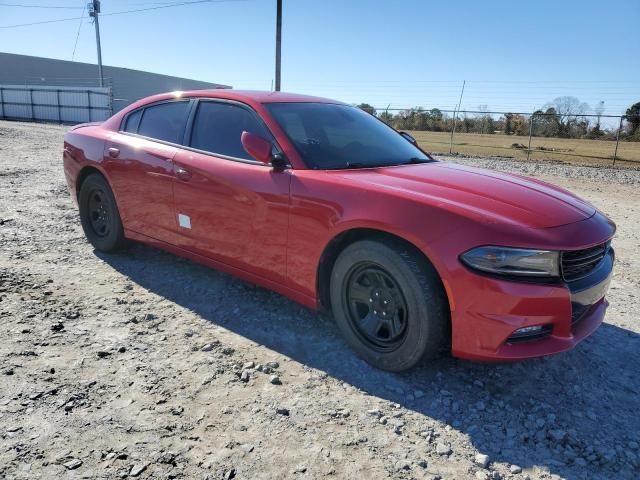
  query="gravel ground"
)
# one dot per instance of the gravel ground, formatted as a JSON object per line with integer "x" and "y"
{"x": 144, "y": 365}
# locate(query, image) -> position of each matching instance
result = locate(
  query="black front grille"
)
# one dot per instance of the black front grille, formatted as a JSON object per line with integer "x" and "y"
{"x": 577, "y": 264}
{"x": 578, "y": 311}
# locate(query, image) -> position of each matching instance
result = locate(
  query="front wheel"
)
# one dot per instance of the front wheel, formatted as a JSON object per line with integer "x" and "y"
{"x": 99, "y": 214}
{"x": 389, "y": 304}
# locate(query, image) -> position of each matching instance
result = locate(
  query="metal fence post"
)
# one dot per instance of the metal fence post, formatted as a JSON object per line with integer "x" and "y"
{"x": 455, "y": 117}
{"x": 615, "y": 153}
{"x": 33, "y": 113}
{"x": 58, "y": 105}
{"x": 110, "y": 98}
{"x": 89, "y": 102}
{"x": 453, "y": 130}
{"x": 533, "y": 116}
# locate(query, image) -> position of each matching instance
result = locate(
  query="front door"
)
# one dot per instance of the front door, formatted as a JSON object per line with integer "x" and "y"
{"x": 229, "y": 207}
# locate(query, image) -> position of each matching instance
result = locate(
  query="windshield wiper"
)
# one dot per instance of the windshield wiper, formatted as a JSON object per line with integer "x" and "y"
{"x": 414, "y": 160}
{"x": 358, "y": 165}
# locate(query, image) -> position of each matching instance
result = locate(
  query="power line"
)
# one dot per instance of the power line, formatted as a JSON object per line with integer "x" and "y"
{"x": 73, "y": 55}
{"x": 180, "y": 4}
{"x": 20, "y": 5}
{"x": 457, "y": 82}
{"x": 41, "y": 22}
{"x": 455, "y": 86}
{"x": 169, "y": 5}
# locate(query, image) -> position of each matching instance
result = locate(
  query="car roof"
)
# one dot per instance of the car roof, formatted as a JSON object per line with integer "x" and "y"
{"x": 257, "y": 96}
{"x": 249, "y": 97}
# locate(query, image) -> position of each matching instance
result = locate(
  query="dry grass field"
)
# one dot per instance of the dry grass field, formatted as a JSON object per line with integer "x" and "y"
{"x": 566, "y": 150}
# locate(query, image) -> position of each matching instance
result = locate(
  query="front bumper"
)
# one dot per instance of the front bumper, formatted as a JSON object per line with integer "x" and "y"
{"x": 493, "y": 309}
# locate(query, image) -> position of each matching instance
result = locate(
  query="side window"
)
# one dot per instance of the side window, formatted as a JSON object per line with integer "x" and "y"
{"x": 133, "y": 120}
{"x": 164, "y": 121}
{"x": 218, "y": 126}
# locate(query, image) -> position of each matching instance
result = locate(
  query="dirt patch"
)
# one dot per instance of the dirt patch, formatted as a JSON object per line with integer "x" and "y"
{"x": 142, "y": 364}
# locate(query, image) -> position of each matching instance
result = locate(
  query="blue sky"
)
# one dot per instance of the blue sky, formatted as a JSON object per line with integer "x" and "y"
{"x": 515, "y": 56}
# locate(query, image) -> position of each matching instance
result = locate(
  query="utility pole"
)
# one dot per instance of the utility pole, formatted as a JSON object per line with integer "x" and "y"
{"x": 278, "y": 41}
{"x": 94, "y": 10}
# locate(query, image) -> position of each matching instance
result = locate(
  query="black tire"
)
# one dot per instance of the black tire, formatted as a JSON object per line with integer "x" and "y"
{"x": 99, "y": 214}
{"x": 399, "y": 284}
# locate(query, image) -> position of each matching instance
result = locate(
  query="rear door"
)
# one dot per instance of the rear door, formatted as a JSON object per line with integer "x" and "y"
{"x": 140, "y": 163}
{"x": 230, "y": 207}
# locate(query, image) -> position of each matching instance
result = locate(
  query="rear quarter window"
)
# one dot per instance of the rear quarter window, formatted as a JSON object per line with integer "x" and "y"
{"x": 165, "y": 121}
{"x": 132, "y": 122}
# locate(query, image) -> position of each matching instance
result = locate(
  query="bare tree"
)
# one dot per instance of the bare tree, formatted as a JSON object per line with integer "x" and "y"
{"x": 567, "y": 110}
{"x": 599, "y": 110}
{"x": 508, "y": 117}
{"x": 386, "y": 117}
{"x": 485, "y": 119}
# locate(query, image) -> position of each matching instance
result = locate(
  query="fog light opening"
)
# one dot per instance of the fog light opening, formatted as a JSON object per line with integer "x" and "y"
{"x": 533, "y": 332}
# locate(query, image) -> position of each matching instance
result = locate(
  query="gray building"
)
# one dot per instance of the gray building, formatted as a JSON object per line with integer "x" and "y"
{"x": 126, "y": 85}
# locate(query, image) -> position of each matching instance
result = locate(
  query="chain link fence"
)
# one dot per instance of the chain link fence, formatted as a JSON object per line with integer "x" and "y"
{"x": 586, "y": 139}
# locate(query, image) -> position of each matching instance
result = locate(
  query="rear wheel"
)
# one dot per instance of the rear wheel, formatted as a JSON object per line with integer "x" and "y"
{"x": 99, "y": 214}
{"x": 389, "y": 304}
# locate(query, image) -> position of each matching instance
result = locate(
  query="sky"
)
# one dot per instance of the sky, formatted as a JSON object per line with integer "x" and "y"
{"x": 514, "y": 56}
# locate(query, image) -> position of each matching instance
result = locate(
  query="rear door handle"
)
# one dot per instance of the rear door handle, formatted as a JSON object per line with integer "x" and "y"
{"x": 183, "y": 174}
{"x": 113, "y": 152}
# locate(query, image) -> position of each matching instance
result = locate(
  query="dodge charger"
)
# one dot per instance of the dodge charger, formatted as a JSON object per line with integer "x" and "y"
{"x": 327, "y": 205}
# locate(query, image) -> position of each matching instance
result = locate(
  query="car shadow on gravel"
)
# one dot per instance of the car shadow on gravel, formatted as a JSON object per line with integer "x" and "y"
{"x": 575, "y": 413}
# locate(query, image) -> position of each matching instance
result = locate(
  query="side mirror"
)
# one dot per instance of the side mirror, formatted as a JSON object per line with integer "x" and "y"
{"x": 256, "y": 146}
{"x": 409, "y": 138}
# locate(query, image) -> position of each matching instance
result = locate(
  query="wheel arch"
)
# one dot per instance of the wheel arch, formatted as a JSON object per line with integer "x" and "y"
{"x": 347, "y": 237}
{"x": 84, "y": 173}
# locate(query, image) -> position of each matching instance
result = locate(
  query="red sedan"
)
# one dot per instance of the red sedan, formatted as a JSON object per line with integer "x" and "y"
{"x": 329, "y": 206}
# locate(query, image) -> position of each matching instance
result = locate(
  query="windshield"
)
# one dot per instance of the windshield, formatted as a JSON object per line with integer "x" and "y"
{"x": 330, "y": 136}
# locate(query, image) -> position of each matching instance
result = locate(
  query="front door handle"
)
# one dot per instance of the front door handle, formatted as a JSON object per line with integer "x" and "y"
{"x": 183, "y": 174}
{"x": 114, "y": 152}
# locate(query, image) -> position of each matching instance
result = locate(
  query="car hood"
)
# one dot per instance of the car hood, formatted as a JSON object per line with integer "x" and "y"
{"x": 488, "y": 195}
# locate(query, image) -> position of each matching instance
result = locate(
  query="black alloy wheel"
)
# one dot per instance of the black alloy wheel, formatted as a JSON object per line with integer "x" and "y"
{"x": 376, "y": 306}
{"x": 389, "y": 303}
{"x": 99, "y": 214}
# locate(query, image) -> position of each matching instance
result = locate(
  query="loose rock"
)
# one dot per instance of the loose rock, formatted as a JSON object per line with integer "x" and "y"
{"x": 138, "y": 469}
{"x": 72, "y": 464}
{"x": 481, "y": 460}
{"x": 443, "y": 449}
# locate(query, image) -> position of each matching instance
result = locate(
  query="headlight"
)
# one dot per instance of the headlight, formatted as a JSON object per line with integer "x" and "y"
{"x": 513, "y": 261}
